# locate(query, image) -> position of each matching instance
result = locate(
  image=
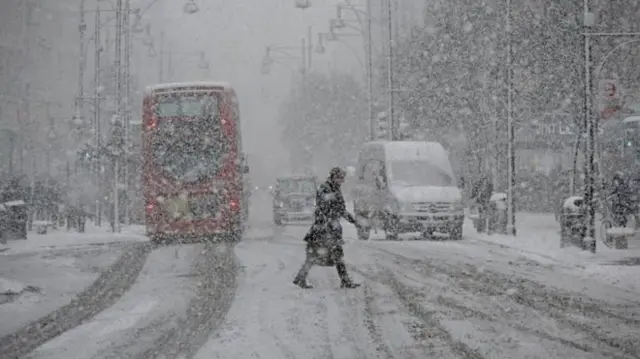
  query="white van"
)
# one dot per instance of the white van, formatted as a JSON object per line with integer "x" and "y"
{"x": 407, "y": 186}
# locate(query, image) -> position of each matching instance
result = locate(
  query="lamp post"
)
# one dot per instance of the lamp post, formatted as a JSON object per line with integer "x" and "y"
{"x": 267, "y": 59}
{"x": 393, "y": 130}
{"x": 341, "y": 23}
{"x": 511, "y": 156}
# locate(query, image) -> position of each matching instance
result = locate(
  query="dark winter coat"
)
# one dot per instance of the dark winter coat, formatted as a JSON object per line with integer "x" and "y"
{"x": 482, "y": 191}
{"x": 621, "y": 196}
{"x": 330, "y": 208}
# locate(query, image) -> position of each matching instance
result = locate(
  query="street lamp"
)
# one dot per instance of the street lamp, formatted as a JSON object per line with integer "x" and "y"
{"x": 190, "y": 7}
{"x": 340, "y": 23}
{"x": 320, "y": 48}
{"x": 137, "y": 26}
{"x": 303, "y": 4}
{"x": 203, "y": 63}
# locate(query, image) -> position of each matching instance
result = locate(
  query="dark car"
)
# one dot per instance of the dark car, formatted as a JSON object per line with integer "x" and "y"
{"x": 294, "y": 199}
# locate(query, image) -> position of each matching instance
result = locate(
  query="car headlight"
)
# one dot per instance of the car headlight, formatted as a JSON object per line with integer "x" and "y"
{"x": 457, "y": 206}
{"x": 406, "y": 207}
{"x": 398, "y": 207}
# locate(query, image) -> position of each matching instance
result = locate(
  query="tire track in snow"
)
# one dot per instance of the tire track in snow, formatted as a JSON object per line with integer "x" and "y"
{"x": 352, "y": 314}
{"x": 382, "y": 349}
{"x": 264, "y": 322}
{"x": 104, "y": 292}
{"x": 438, "y": 333}
{"x": 553, "y": 303}
{"x": 320, "y": 310}
{"x": 218, "y": 282}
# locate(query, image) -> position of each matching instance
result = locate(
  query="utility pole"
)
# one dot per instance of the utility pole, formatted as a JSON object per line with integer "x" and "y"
{"x": 590, "y": 126}
{"x": 127, "y": 104}
{"x": 310, "y": 47}
{"x": 392, "y": 124}
{"x": 116, "y": 132}
{"x": 161, "y": 53}
{"x": 511, "y": 214}
{"x": 303, "y": 47}
{"x": 96, "y": 118}
{"x": 372, "y": 131}
{"x": 79, "y": 105}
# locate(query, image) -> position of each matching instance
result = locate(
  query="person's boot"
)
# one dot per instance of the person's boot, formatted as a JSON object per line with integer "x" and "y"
{"x": 347, "y": 283}
{"x": 302, "y": 283}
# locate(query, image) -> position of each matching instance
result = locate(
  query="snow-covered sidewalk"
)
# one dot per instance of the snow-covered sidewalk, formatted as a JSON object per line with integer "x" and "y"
{"x": 61, "y": 238}
{"x": 538, "y": 239}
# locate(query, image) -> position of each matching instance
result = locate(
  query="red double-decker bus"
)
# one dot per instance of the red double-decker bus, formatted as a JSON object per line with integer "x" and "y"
{"x": 193, "y": 171}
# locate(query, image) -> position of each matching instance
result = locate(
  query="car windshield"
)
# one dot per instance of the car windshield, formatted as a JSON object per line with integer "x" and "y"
{"x": 419, "y": 173}
{"x": 188, "y": 142}
{"x": 297, "y": 186}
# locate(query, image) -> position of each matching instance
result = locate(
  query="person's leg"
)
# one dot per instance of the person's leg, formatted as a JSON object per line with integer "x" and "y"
{"x": 301, "y": 277}
{"x": 338, "y": 257}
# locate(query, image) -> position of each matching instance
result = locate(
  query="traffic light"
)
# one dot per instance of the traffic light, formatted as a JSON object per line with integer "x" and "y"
{"x": 382, "y": 126}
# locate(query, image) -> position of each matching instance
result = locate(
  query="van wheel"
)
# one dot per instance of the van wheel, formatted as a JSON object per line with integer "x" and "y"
{"x": 428, "y": 234}
{"x": 391, "y": 230}
{"x": 455, "y": 233}
{"x": 364, "y": 233}
{"x": 277, "y": 221}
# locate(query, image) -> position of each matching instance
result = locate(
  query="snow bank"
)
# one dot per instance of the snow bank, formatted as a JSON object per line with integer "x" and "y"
{"x": 8, "y": 287}
{"x": 539, "y": 239}
{"x": 621, "y": 231}
{"x": 61, "y": 238}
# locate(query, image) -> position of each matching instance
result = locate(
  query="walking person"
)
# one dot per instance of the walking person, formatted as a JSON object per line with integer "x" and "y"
{"x": 330, "y": 208}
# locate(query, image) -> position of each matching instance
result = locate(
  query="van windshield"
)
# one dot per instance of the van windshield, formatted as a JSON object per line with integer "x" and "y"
{"x": 419, "y": 173}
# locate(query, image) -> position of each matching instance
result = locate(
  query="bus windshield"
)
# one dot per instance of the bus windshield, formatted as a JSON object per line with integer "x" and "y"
{"x": 188, "y": 142}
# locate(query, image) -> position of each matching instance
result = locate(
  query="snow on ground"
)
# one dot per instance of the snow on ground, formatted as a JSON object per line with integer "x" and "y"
{"x": 470, "y": 298}
{"x": 420, "y": 299}
{"x": 11, "y": 287}
{"x": 539, "y": 239}
{"x": 157, "y": 300}
{"x": 56, "y": 275}
{"x": 60, "y": 238}
{"x": 273, "y": 319}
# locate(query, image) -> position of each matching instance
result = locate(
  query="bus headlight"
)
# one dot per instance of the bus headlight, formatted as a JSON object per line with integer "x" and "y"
{"x": 457, "y": 206}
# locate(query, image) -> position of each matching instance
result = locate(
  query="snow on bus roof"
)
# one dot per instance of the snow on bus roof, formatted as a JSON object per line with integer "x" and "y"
{"x": 169, "y": 86}
{"x": 295, "y": 177}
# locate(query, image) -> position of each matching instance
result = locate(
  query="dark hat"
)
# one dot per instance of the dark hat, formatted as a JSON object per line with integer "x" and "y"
{"x": 337, "y": 172}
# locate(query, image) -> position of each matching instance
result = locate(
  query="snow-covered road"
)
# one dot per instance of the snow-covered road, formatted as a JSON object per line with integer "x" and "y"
{"x": 482, "y": 297}
{"x": 422, "y": 300}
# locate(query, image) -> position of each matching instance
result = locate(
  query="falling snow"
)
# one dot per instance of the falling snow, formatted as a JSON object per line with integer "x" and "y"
{"x": 470, "y": 168}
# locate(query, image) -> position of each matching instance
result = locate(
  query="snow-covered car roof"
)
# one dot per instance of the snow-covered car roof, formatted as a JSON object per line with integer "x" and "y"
{"x": 14, "y": 203}
{"x": 296, "y": 177}
{"x": 433, "y": 152}
{"x": 631, "y": 119}
{"x": 570, "y": 203}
